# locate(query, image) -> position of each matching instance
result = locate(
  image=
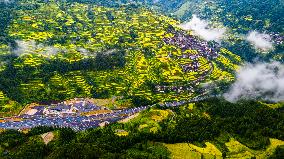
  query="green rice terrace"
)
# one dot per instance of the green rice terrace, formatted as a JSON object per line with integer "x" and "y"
{"x": 124, "y": 79}
{"x": 78, "y": 50}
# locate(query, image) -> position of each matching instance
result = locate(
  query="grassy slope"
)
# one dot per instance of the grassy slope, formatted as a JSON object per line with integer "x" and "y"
{"x": 211, "y": 149}
{"x": 236, "y": 150}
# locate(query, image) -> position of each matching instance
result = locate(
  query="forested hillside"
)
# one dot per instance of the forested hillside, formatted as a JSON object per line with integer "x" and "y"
{"x": 213, "y": 128}
{"x": 65, "y": 50}
{"x": 239, "y": 16}
{"x": 132, "y": 79}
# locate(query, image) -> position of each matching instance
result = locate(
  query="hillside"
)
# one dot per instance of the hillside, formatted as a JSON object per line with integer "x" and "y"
{"x": 212, "y": 128}
{"x": 64, "y": 50}
{"x": 128, "y": 79}
{"x": 239, "y": 16}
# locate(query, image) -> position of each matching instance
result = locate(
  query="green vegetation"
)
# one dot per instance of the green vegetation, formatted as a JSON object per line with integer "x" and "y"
{"x": 204, "y": 129}
{"x": 67, "y": 50}
{"x": 239, "y": 16}
{"x": 56, "y": 50}
{"x": 190, "y": 151}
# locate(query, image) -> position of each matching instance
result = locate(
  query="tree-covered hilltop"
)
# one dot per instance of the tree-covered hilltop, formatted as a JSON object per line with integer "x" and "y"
{"x": 213, "y": 128}
{"x": 66, "y": 49}
{"x": 242, "y": 15}
{"x": 239, "y": 16}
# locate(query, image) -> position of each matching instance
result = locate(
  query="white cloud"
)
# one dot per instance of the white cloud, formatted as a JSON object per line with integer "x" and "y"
{"x": 202, "y": 29}
{"x": 31, "y": 47}
{"x": 24, "y": 47}
{"x": 156, "y": 1}
{"x": 260, "y": 40}
{"x": 6, "y": 1}
{"x": 50, "y": 50}
{"x": 258, "y": 81}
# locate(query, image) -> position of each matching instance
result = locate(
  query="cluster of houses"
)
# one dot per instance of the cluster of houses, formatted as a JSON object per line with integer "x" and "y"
{"x": 65, "y": 108}
{"x": 54, "y": 117}
{"x": 176, "y": 89}
{"x": 189, "y": 42}
{"x": 191, "y": 67}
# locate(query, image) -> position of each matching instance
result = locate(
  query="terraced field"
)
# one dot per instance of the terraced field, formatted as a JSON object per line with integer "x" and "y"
{"x": 236, "y": 150}
{"x": 68, "y": 50}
